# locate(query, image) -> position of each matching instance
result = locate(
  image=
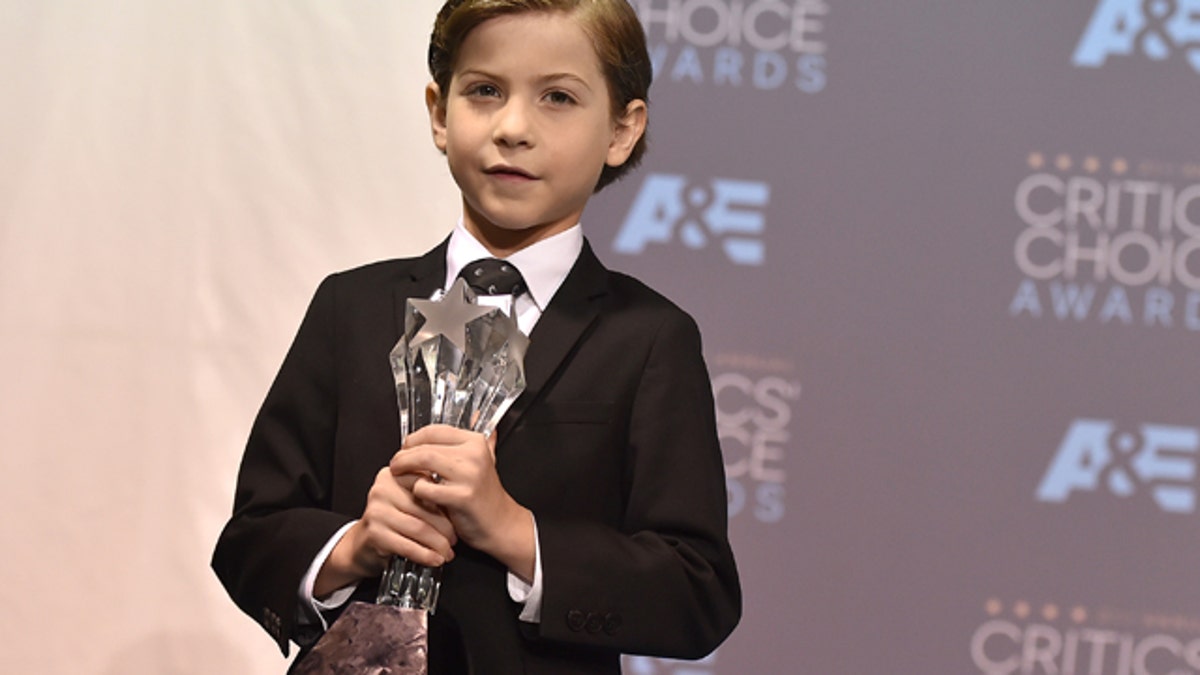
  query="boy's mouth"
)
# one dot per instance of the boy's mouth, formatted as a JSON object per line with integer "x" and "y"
{"x": 507, "y": 171}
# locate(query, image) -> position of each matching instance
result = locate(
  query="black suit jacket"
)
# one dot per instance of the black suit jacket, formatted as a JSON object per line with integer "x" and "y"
{"x": 613, "y": 446}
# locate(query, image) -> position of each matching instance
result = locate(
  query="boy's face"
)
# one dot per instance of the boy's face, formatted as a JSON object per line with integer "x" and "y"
{"x": 527, "y": 127}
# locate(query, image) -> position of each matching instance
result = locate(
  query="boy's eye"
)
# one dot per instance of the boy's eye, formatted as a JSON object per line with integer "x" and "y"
{"x": 560, "y": 97}
{"x": 483, "y": 90}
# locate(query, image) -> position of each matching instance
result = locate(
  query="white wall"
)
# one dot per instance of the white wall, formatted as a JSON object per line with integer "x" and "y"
{"x": 175, "y": 179}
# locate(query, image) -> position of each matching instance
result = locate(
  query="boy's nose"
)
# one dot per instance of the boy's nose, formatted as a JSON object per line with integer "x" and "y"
{"x": 512, "y": 126}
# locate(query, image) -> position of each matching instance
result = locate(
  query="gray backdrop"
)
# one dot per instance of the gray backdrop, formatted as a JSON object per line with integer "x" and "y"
{"x": 946, "y": 259}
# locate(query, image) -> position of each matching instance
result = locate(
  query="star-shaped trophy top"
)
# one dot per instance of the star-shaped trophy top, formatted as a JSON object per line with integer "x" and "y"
{"x": 448, "y": 316}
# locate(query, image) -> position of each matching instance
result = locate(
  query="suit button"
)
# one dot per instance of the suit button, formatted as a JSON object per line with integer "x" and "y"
{"x": 612, "y": 622}
{"x": 272, "y": 623}
{"x": 575, "y": 620}
{"x": 594, "y": 623}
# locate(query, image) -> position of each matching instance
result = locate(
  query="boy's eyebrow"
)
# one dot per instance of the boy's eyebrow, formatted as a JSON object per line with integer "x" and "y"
{"x": 553, "y": 77}
{"x": 543, "y": 79}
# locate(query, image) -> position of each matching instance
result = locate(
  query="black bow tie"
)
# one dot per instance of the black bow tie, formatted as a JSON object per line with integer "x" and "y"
{"x": 492, "y": 276}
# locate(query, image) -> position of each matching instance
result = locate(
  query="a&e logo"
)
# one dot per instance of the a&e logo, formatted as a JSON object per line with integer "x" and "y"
{"x": 1153, "y": 27}
{"x": 726, "y": 210}
{"x": 1094, "y": 455}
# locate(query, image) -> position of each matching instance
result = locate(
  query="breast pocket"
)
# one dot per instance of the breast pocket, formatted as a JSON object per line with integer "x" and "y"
{"x": 568, "y": 457}
{"x": 573, "y": 412}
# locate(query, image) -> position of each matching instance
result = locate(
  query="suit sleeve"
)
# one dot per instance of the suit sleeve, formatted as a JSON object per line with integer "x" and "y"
{"x": 664, "y": 583}
{"x": 281, "y": 515}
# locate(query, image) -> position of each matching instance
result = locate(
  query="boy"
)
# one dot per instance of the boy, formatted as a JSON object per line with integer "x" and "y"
{"x": 593, "y": 521}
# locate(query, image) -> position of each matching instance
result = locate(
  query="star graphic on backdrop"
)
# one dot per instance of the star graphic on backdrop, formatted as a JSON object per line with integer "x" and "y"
{"x": 448, "y": 316}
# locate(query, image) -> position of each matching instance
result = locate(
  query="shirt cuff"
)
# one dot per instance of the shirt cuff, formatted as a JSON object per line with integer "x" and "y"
{"x": 530, "y": 594}
{"x": 311, "y": 608}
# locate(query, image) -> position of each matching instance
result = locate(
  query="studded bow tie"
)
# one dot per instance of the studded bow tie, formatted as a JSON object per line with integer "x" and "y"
{"x": 492, "y": 276}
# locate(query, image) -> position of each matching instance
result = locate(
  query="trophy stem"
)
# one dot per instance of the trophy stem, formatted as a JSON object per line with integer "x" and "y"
{"x": 407, "y": 585}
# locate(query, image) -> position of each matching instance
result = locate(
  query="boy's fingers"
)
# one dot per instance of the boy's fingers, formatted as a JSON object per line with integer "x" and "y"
{"x": 441, "y": 434}
{"x": 398, "y": 531}
{"x": 437, "y": 434}
{"x": 390, "y": 502}
{"x": 427, "y": 460}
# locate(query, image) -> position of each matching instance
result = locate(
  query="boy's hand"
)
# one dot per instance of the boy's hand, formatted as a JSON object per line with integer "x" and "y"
{"x": 469, "y": 491}
{"x": 394, "y": 522}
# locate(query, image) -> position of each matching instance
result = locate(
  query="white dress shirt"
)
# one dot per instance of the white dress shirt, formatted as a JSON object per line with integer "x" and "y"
{"x": 544, "y": 266}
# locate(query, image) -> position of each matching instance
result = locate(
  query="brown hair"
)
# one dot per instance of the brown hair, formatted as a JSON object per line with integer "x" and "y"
{"x": 617, "y": 37}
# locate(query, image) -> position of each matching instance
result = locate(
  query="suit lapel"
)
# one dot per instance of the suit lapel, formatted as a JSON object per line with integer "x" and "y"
{"x": 574, "y": 307}
{"x": 427, "y": 274}
{"x": 572, "y": 310}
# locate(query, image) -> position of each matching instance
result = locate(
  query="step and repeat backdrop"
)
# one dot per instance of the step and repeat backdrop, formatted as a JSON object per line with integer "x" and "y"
{"x": 945, "y": 257}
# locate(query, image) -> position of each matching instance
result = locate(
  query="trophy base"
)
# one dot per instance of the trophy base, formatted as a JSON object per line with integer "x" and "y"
{"x": 371, "y": 639}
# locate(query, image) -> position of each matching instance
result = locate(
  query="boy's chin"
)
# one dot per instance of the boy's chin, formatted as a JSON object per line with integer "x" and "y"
{"x": 512, "y": 236}
{"x": 506, "y": 228}
{"x": 517, "y": 227}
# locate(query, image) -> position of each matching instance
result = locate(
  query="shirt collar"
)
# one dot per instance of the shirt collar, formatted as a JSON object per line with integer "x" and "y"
{"x": 544, "y": 264}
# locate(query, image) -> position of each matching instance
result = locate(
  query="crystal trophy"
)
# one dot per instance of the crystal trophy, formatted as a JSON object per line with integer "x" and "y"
{"x": 460, "y": 364}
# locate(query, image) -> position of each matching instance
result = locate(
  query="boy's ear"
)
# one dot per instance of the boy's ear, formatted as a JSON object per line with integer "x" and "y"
{"x": 437, "y": 115}
{"x": 627, "y": 130}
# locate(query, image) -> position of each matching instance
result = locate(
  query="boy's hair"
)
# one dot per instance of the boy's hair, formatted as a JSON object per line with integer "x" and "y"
{"x": 613, "y": 26}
